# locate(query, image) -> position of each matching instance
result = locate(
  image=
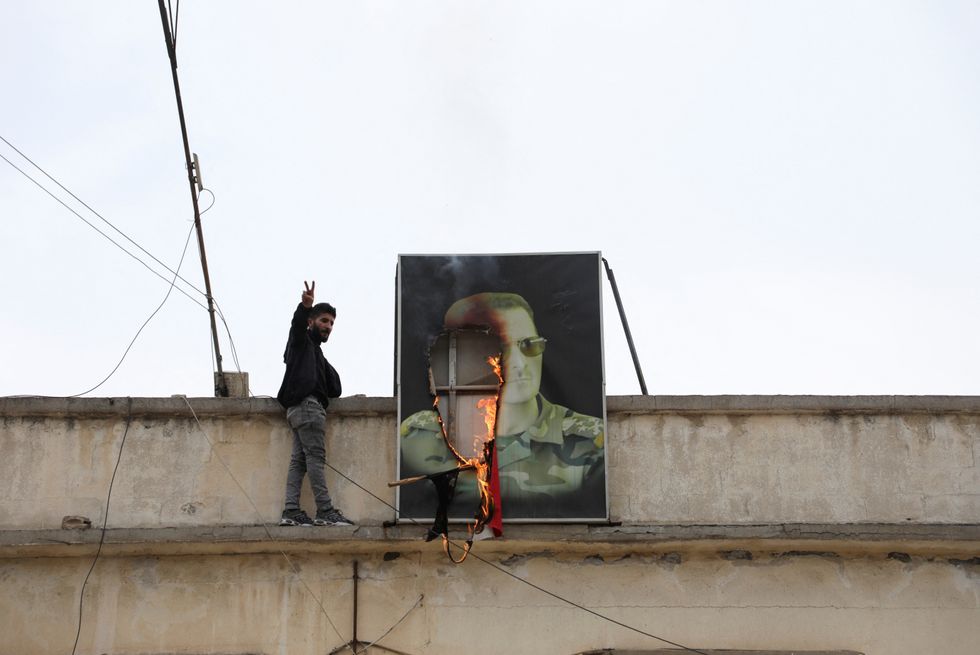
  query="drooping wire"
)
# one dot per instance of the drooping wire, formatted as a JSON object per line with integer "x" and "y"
{"x": 231, "y": 341}
{"x": 214, "y": 301}
{"x": 148, "y": 319}
{"x": 214, "y": 199}
{"x": 211, "y": 351}
{"x": 417, "y": 523}
{"x": 101, "y": 217}
{"x": 387, "y": 632}
{"x": 583, "y": 607}
{"x": 176, "y": 273}
{"x": 258, "y": 515}
{"x": 111, "y": 240}
{"x": 268, "y": 533}
{"x": 221, "y": 314}
{"x": 518, "y": 578}
{"x": 105, "y": 521}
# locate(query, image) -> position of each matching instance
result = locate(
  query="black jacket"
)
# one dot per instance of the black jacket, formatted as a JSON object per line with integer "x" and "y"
{"x": 308, "y": 373}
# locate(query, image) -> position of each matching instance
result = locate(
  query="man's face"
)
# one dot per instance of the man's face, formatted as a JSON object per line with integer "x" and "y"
{"x": 322, "y": 326}
{"x": 521, "y": 372}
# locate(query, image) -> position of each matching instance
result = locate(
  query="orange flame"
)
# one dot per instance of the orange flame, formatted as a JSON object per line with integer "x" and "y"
{"x": 489, "y": 407}
{"x": 494, "y": 363}
{"x": 482, "y": 446}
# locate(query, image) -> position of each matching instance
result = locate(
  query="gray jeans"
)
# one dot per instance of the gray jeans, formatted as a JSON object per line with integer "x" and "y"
{"x": 307, "y": 419}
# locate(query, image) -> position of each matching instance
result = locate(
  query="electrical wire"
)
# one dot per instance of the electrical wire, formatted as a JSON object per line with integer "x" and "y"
{"x": 211, "y": 352}
{"x": 114, "y": 242}
{"x": 258, "y": 515}
{"x": 582, "y": 607}
{"x": 176, "y": 273}
{"x": 518, "y": 578}
{"x": 295, "y": 570}
{"x": 397, "y": 623}
{"x": 148, "y": 319}
{"x": 101, "y": 217}
{"x": 235, "y": 358}
{"x": 214, "y": 199}
{"x": 221, "y": 314}
{"x": 276, "y": 543}
{"x": 417, "y": 523}
{"x": 231, "y": 341}
{"x": 105, "y": 521}
{"x": 173, "y": 22}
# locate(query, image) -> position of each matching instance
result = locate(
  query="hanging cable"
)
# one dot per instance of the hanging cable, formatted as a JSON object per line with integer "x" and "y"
{"x": 176, "y": 273}
{"x": 214, "y": 199}
{"x": 463, "y": 548}
{"x": 173, "y": 24}
{"x": 111, "y": 240}
{"x": 217, "y": 307}
{"x": 258, "y": 515}
{"x": 231, "y": 341}
{"x": 192, "y": 167}
{"x": 105, "y": 521}
{"x": 100, "y": 216}
{"x": 387, "y": 632}
{"x": 417, "y": 523}
{"x": 148, "y": 319}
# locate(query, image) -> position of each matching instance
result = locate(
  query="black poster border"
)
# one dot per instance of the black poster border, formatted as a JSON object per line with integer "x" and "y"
{"x": 558, "y": 312}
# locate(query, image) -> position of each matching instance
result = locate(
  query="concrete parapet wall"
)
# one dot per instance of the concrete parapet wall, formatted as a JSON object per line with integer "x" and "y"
{"x": 255, "y": 603}
{"x": 778, "y": 525}
{"x": 181, "y": 465}
{"x": 672, "y": 460}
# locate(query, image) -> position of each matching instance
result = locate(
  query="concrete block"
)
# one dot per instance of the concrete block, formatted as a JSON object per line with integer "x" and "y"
{"x": 236, "y": 384}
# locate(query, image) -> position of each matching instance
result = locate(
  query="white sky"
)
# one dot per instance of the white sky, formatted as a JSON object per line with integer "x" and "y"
{"x": 788, "y": 192}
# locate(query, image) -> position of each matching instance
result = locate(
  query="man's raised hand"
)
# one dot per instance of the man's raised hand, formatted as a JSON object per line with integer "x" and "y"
{"x": 308, "y": 294}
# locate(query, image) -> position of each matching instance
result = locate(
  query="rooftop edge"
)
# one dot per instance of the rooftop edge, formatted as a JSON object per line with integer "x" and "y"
{"x": 47, "y": 406}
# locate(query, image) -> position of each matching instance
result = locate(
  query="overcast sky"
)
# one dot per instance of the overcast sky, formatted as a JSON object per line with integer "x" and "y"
{"x": 788, "y": 192}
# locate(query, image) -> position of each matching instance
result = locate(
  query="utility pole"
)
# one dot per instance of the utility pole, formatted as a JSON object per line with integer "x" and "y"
{"x": 193, "y": 175}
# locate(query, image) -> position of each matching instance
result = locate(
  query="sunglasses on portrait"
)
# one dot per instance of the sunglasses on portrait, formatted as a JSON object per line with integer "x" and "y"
{"x": 530, "y": 346}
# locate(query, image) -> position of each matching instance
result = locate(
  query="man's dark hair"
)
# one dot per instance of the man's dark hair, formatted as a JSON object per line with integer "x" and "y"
{"x": 322, "y": 308}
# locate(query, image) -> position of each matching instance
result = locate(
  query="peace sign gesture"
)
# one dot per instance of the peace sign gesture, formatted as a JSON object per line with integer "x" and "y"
{"x": 308, "y": 294}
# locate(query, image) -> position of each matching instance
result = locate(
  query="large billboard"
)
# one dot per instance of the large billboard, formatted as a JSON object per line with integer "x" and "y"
{"x": 508, "y": 349}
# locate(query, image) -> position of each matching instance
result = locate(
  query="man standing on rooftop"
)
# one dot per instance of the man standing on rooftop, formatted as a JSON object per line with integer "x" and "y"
{"x": 307, "y": 386}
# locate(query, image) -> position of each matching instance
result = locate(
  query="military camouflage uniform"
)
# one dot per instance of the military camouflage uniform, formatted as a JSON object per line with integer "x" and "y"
{"x": 557, "y": 458}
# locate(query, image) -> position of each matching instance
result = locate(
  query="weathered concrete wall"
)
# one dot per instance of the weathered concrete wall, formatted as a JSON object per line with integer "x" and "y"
{"x": 699, "y": 461}
{"x": 738, "y": 532}
{"x": 776, "y": 468}
{"x": 256, "y": 604}
{"x": 172, "y": 471}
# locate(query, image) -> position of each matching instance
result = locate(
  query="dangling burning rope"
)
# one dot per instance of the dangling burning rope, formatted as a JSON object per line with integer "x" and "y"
{"x": 445, "y": 486}
{"x": 484, "y": 466}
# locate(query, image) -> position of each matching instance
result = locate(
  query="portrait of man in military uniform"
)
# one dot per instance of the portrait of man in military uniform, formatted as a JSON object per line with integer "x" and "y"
{"x": 550, "y": 455}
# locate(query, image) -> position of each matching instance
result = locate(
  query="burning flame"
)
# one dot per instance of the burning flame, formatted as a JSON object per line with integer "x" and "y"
{"x": 494, "y": 363}
{"x": 480, "y": 462}
{"x": 483, "y": 445}
{"x": 489, "y": 407}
